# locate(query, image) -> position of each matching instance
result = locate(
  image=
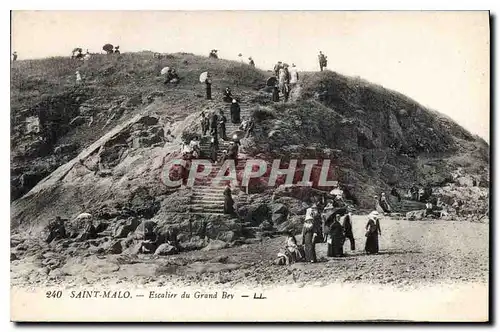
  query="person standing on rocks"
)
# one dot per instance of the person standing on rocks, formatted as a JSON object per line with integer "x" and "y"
{"x": 294, "y": 76}
{"x": 277, "y": 68}
{"x": 235, "y": 112}
{"x": 247, "y": 125}
{"x": 14, "y": 56}
{"x": 251, "y": 62}
{"x": 276, "y": 93}
{"x": 214, "y": 148}
{"x": 78, "y": 77}
{"x": 228, "y": 201}
{"x": 228, "y": 95}
{"x": 309, "y": 241}
{"x": 213, "y": 124}
{"x": 205, "y": 123}
{"x": 372, "y": 232}
{"x": 208, "y": 87}
{"x": 322, "y": 61}
{"x": 222, "y": 125}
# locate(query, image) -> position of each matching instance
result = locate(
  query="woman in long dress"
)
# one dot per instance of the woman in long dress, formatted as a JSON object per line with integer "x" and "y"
{"x": 347, "y": 224}
{"x": 235, "y": 112}
{"x": 228, "y": 201}
{"x": 308, "y": 239}
{"x": 372, "y": 232}
{"x": 336, "y": 239}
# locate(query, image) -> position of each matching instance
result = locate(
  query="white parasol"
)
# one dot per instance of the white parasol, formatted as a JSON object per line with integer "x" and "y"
{"x": 164, "y": 70}
{"x": 203, "y": 76}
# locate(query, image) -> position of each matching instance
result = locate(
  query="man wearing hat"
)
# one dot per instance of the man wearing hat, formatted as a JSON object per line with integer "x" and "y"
{"x": 372, "y": 232}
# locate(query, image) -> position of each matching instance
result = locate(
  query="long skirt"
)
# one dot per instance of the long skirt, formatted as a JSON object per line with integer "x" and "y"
{"x": 209, "y": 91}
{"x": 371, "y": 246}
{"x": 228, "y": 205}
{"x": 309, "y": 248}
{"x": 335, "y": 248}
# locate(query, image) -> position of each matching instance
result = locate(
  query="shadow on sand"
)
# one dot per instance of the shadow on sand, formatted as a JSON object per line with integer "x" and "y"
{"x": 381, "y": 253}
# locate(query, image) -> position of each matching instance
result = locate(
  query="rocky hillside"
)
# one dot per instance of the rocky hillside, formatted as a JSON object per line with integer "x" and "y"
{"x": 100, "y": 146}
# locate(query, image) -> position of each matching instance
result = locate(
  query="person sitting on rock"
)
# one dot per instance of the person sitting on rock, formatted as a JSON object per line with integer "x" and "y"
{"x": 89, "y": 231}
{"x": 171, "y": 77}
{"x": 205, "y": 123}
{"x": 228, "y": 201}
{"x": 149, "y": 243}
{"x": 428, "y": 209}
{"x": 117, "y": 51}
{"x": 232, "y": 152}
{"x": 195, "y": 146}
{"x": 56, "y": 230}
{"x": 247, "y": 125}
{"x": 292, "y": 251}
{"x": 384, "y": 204}
{"x": 228, "y": 95}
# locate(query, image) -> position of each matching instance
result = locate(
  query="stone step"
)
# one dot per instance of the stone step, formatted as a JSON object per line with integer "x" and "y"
{"x": 207, "y": 210}
{"x": 199, "y": 190}
{"x": 207, "y": 205}
{"x": 214, "y": 199}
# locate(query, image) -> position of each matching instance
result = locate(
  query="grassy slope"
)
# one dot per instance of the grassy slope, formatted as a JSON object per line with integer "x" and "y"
{"x": 306, "y": 120}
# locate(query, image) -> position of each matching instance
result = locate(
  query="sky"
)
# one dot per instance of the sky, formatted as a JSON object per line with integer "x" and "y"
{"x": 440, "y": 59}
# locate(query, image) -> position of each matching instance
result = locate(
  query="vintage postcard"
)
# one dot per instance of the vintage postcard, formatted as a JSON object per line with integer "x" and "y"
{"x": 250, "y": 166}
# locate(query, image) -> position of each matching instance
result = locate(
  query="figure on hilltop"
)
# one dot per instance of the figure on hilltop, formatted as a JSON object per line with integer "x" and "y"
{"x": 213, "y": 54}
{"x": 14, "y": 56}
{"x": 322, "y": 61}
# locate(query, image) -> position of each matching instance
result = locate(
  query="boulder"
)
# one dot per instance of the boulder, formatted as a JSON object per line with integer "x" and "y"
{"x": 194, "y": 243}
{"x": 415, "y": 215}
{"x": 227, "y": 236}
{"x": 166, "y": 249}
{"x": 278, "y": 218}
{"x": 134, "y": 249}
{"x": 66, "y": 148}
{"x": 78, "y": 121}
{"x": 113, "y": 247}
{"x": 279, "y": 208}
{"x": 293, "y": 224}
{"x": 125, "y": 227}
{"x": 255, "y": 213}
{"x": 215, "y": 245}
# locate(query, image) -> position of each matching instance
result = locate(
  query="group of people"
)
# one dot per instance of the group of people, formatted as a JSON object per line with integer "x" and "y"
{"x": 333, "y": 227}
{"x": 286, "y": 79}
{"x": 171, "y": 76}
{"x": 213, "y": 54}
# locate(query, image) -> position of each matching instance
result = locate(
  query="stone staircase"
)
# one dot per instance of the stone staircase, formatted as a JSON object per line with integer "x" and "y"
{"x": 207, "y": 197}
